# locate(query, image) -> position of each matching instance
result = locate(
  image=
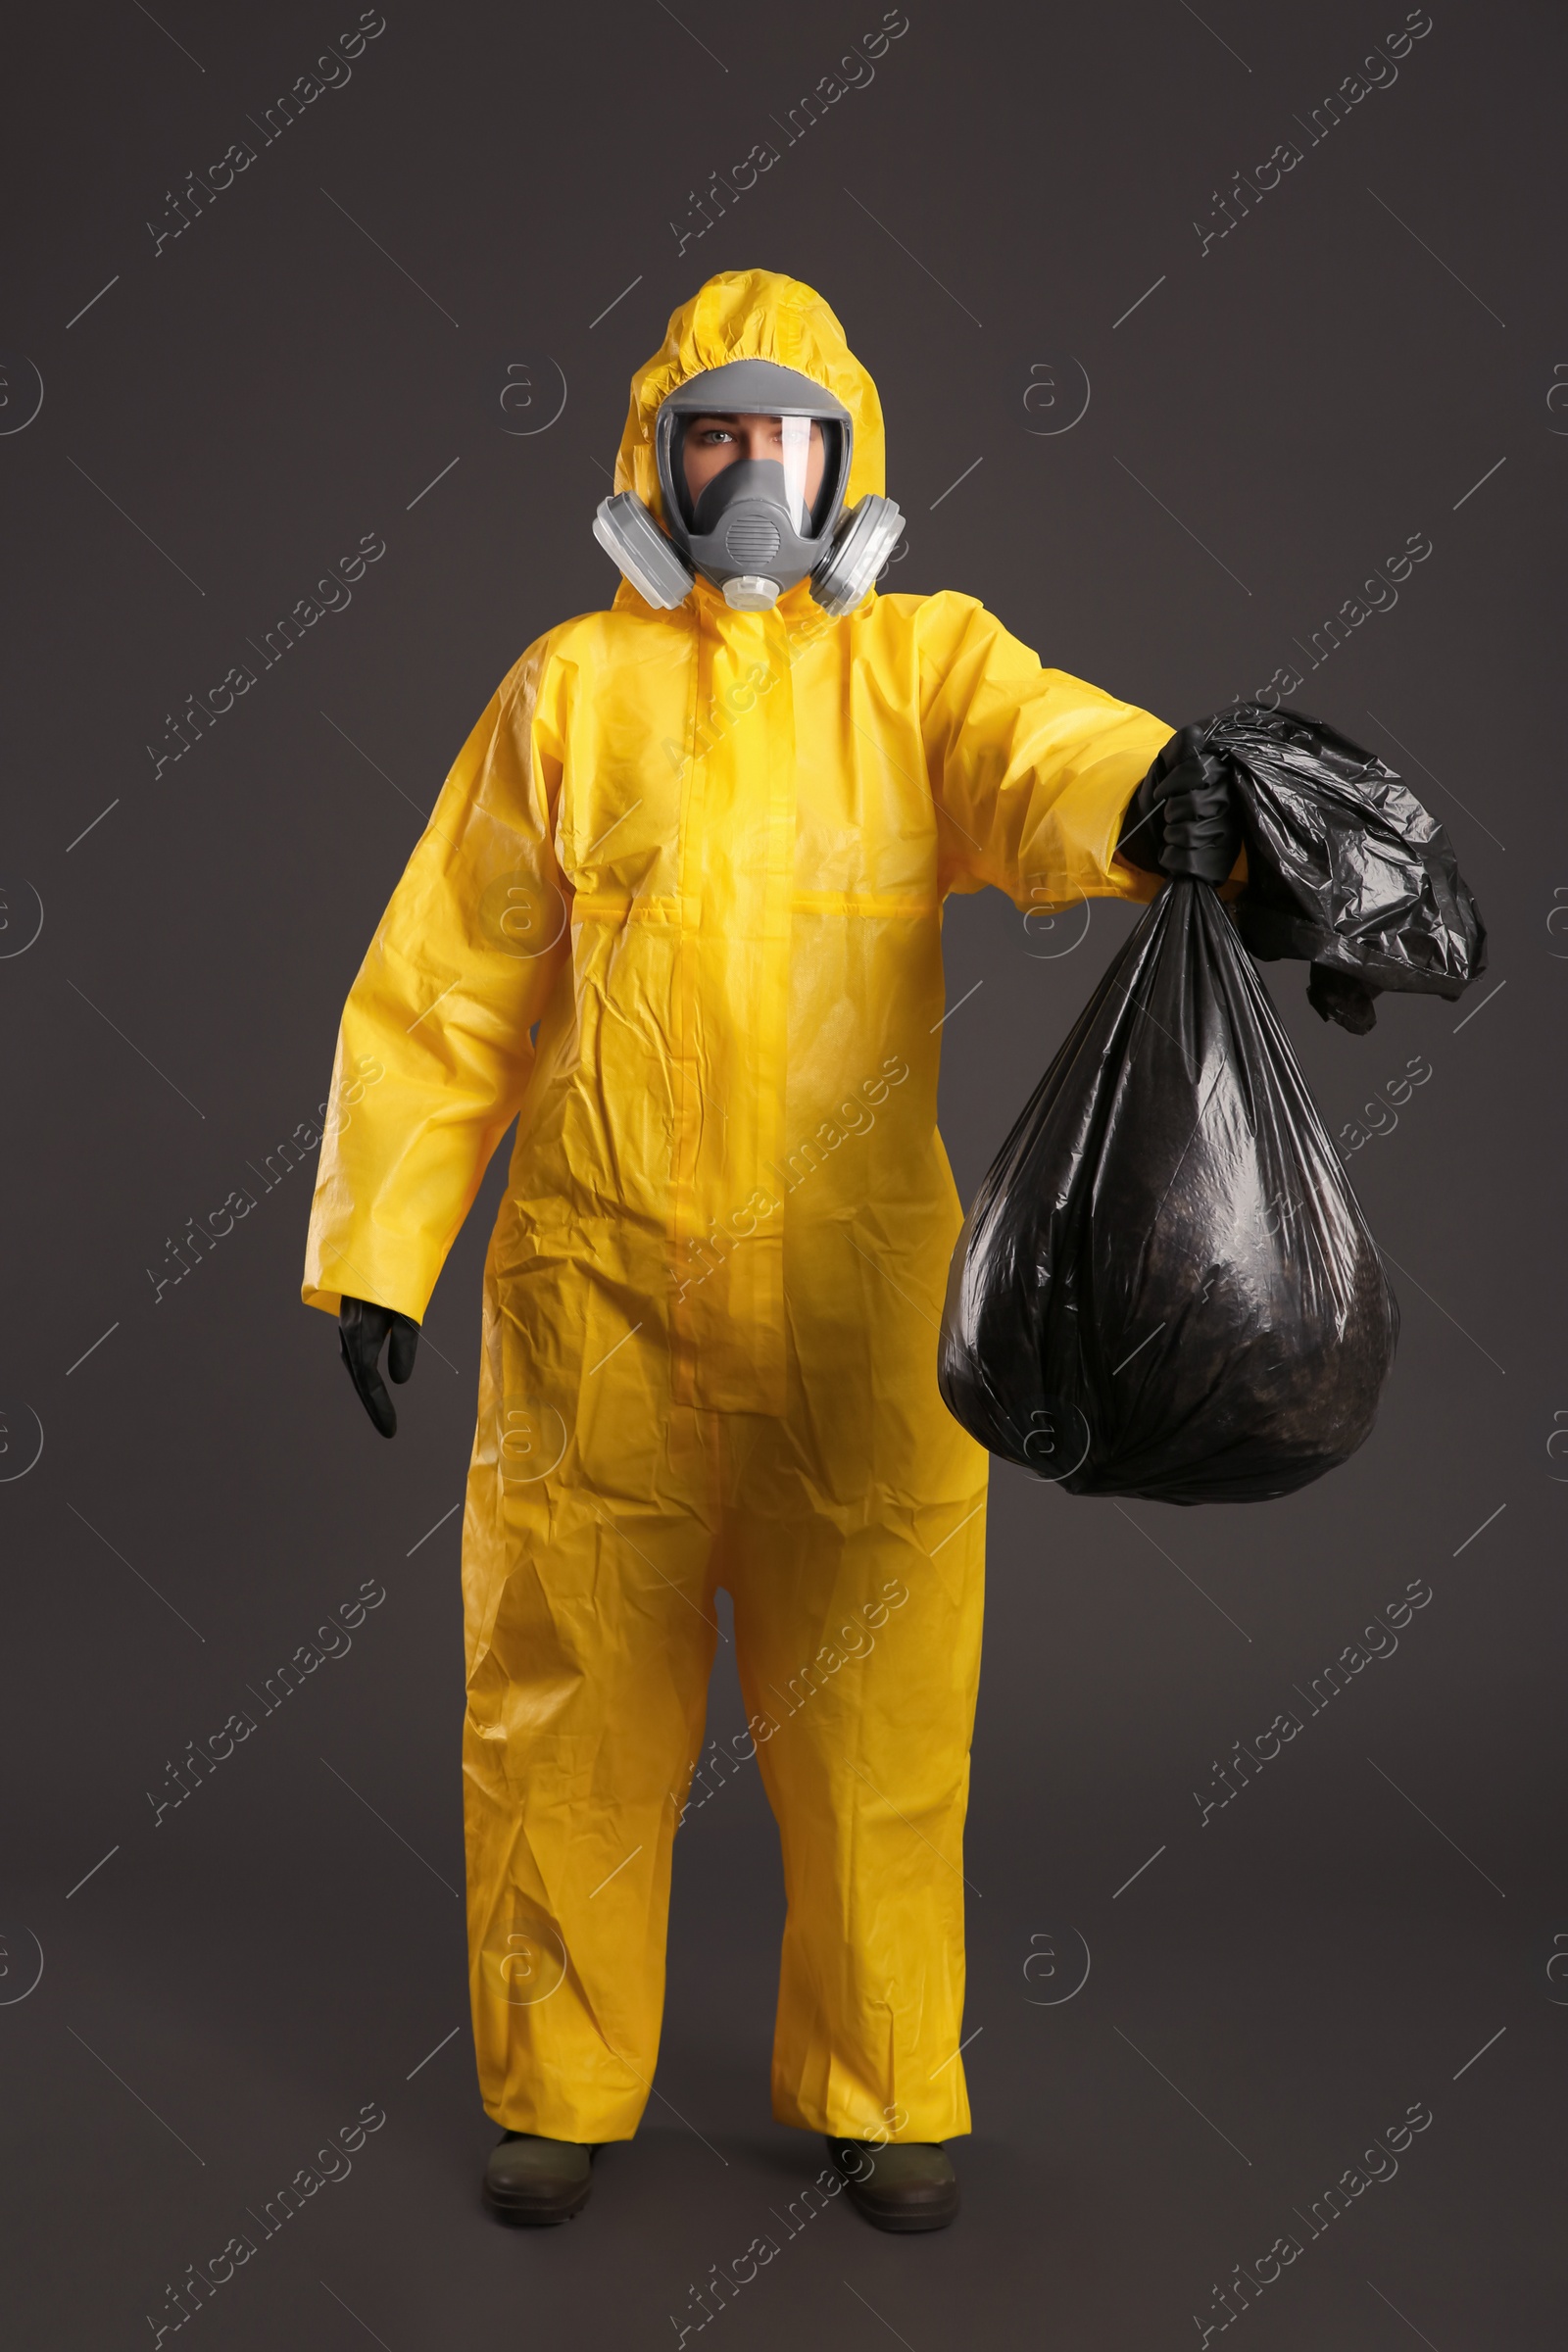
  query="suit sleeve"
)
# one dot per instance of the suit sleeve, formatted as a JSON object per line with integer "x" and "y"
{"x": 1031, "y": 768}
{"x": 434, "y": 1053}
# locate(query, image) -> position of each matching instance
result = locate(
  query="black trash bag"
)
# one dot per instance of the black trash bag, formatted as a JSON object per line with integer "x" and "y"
{"x": 1345, "y": 868}
{"x": 1165, "y": 1286}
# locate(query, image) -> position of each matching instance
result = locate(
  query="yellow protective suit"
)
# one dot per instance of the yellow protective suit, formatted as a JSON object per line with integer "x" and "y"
{"x": 678, "y": 912}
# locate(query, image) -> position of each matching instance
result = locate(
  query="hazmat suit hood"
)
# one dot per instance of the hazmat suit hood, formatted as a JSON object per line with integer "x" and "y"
{"x": 750, "y": 315}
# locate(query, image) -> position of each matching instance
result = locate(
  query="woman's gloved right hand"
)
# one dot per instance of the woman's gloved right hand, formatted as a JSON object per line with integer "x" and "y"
{"x": 1180, "y": 820}
{"x": 363, "y": 1329}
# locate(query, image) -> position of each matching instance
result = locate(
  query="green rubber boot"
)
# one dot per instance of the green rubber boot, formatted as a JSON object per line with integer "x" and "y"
{"x": 908, "y": 2184}
{"x": 536, "y": 2181}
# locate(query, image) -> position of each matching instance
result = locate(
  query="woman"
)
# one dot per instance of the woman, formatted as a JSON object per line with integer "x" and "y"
{"x": 678, "y": 913}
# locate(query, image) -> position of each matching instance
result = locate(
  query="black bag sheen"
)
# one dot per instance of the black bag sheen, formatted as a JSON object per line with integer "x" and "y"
{"x": 1165, "y": 1286}
{"x": 1344, "y": 867}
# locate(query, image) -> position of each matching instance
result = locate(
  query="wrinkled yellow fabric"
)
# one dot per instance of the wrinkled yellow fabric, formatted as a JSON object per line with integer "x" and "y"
{"x": 678, "y": 912}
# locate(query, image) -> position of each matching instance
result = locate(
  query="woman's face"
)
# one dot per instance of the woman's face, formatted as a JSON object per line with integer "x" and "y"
{"x": 714, "y": 442}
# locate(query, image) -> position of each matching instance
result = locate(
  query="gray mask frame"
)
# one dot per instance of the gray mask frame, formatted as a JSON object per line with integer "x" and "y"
{"x": 741, "y": 536}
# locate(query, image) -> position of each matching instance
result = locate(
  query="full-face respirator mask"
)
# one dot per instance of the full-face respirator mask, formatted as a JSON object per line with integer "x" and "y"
{"x": 751, "y": 529}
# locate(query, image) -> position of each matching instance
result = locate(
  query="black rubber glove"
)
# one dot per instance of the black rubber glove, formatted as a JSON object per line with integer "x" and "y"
{"x": 362, "y": 1332}
{"x": 1180, "y": 819}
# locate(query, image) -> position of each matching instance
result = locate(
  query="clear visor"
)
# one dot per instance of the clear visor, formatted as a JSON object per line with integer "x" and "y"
{"x": 711, "y": 443}
{"x": 795, "y": 445}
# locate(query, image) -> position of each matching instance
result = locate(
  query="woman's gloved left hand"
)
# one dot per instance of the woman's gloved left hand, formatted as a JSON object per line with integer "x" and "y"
{"x": 1180, "y": 819}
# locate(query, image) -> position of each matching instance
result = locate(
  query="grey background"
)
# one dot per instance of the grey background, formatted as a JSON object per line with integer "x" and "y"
{"x": 1275, "y": 418}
